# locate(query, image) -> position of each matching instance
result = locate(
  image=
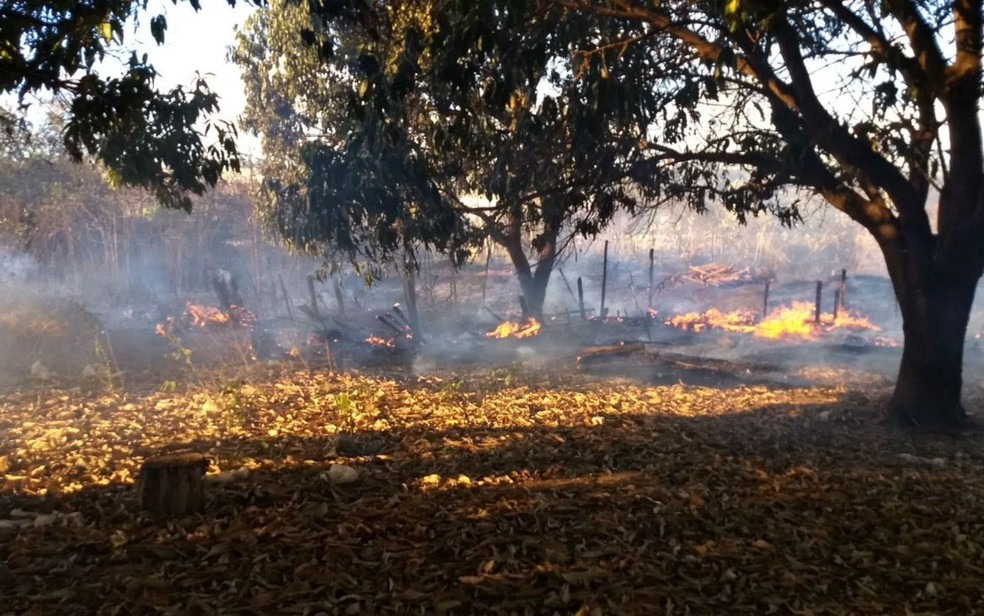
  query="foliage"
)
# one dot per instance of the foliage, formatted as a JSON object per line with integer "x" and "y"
{"x": 145, "y": 137}
{"x": 392, "y": 150}
{"x": 554, "y": 494}
{"x": 747, "y": 120}
{"x": 73, "y": 222}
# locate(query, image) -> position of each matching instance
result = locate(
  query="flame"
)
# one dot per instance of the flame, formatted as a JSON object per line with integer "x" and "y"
{"x": 509, "y": 329}
{"x": 846, "y": 320}
{"x": 205, "y": 315}
{"x": 740, "y": 321}
{"x": 794, "y": 321}
{"x": 377, "y": 341}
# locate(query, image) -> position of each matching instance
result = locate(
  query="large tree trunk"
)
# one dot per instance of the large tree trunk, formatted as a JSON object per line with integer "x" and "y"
{"x": 935, "y": 311}
{"x": 532, "y": 282}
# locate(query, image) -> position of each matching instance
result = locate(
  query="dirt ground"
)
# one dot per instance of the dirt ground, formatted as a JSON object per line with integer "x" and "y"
{"x": 667, "y": 473}
{"x": 511, "y": 490}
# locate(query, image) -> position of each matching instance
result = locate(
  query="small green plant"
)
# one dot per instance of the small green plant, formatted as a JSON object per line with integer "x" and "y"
{"x": 104, "y": 364}
{"x": 168, "y": 386}
{"x": 236, "y": 400}
{"x": 347, "y": 411}
{"x": 179, "y": 352}
{"x": 452, "y": 387}
{"x": 504, "y": 375}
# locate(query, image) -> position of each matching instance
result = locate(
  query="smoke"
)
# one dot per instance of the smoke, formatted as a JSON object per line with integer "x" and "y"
{"x": 15, "y": 269}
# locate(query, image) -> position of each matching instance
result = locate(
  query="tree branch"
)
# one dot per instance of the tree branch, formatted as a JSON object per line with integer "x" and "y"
{"x": 923, "y": 42}
{"x": 920, "y": 86}
{"x": 836, "y": 140}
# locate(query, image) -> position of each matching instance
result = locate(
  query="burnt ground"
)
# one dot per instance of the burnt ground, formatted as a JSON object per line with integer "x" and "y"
{"x": 599, "y": 468}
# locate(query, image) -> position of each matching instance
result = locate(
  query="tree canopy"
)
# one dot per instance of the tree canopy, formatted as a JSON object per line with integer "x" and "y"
{"x": 871, "y": 106}
{"x": 392, "y": 145}
{"x": 144, "y": 137}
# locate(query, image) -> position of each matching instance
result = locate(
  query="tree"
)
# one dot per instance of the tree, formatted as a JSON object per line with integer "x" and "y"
{"x": 871, "y": 106}
{"x": 144, "y": 137}
{"x": 390, "y": 145}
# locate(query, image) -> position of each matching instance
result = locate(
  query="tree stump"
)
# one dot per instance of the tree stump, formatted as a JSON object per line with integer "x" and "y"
{"x": 173, "y": 483}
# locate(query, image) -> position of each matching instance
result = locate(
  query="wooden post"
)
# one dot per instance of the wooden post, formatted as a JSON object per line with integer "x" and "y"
{"x": 649, "y": 303}
{"x": 580, "y": 298}
{"x": 765, "y": 300}
{"x": 172, "y": 483}
{"x": 837, "y": 301}
{"x": 452, "y": 282}
{"x": 843, "y": 289}
{"x": 819, "y": 297}
{"x": 485, "y": 280}
{"x": 604, "y": 280}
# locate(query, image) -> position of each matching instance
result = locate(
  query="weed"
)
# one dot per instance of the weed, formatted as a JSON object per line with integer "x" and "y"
{"x": 179, "y": 353}
{"x": 348, "y": 413}
{"x": 105, "y": 362}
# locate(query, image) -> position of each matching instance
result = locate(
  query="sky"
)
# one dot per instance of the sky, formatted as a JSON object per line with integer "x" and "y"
{"x": 196, "y": 43}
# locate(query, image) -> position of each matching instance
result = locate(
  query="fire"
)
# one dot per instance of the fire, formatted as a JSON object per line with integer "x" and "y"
{"x": 794, "y": 321}
{"x": 740, "y": 321}
{"x": 845, "y": 320}
{"x": 509, "y": 329}
{"x": 382, "y": 342}
{"x": 204, "y": 315}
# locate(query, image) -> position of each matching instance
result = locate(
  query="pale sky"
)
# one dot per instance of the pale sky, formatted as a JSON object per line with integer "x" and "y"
{"x": 196, "y": 42}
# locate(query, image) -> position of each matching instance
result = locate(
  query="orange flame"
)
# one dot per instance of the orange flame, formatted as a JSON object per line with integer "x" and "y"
{"x": 204, "y": 315}
{"x": 794, "y": 321}
{"x": 382, "y": 342}
{"x": 509, "y": 329}
{"x": 740, "y": 321}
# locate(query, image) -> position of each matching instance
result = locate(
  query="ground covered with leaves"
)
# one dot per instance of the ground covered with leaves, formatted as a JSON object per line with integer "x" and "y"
{"x": 496, "y": 492}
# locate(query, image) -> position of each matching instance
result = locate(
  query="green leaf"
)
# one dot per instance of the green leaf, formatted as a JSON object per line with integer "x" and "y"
{"x": 158, "y": 25}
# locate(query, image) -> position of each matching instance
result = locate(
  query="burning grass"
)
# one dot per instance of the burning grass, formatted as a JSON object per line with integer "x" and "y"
{"x": 202, "y": 316}
{"x": 797, "y": 320}
{"x": 510, "y": 329}
{"x": 502, "y": 492}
